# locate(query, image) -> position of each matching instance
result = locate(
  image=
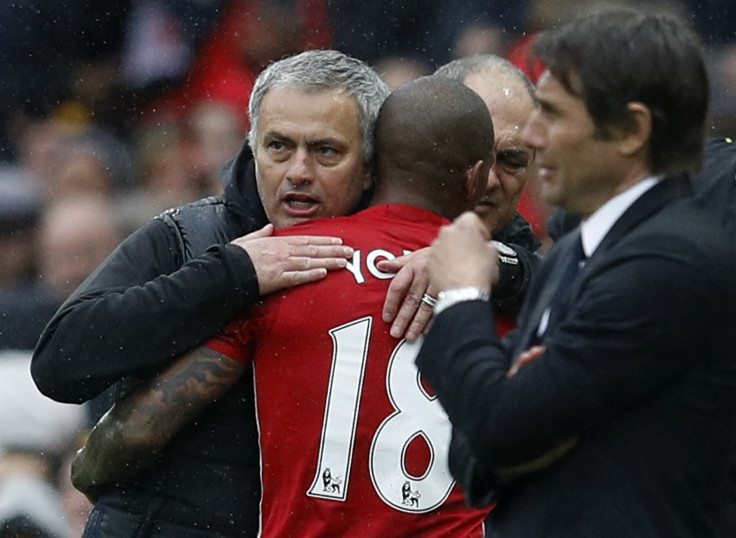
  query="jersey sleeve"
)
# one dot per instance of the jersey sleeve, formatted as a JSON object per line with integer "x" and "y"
{"x": 235, "y": 339}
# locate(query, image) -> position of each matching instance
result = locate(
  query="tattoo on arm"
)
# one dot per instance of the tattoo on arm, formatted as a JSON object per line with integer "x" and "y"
{"x": 132, "y": 434}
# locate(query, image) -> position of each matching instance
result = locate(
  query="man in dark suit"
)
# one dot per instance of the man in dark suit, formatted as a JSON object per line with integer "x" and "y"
{"x": 609, "y": 412}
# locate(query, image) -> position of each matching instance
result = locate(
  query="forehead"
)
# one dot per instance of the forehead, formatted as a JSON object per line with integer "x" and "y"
{"x": 568, "y": 108}
{"x": 301, "y": 113}
{"x": 507, "y": 99}
{"x": 552, "y": 91}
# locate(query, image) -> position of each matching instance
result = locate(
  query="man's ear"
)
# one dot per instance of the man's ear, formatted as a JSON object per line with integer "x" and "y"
{"x": 635, "y": 138}
{"x": 476, "y": 180}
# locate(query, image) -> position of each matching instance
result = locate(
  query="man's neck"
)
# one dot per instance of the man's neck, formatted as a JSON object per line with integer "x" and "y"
{"x": 633, "y": 176}
{"x": 595, "y": 227}
{"x": 398, "y": 196}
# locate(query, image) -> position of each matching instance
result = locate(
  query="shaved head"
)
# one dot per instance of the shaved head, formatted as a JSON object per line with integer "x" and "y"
{"x": 432, "y": 131}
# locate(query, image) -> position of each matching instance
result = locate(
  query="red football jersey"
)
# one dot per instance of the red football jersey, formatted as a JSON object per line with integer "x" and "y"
{"x": 352, "y": 442}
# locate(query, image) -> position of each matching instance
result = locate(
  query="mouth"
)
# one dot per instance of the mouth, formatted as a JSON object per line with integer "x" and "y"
{"x": 485, "y": 206}
{"x": 300, "y": 205}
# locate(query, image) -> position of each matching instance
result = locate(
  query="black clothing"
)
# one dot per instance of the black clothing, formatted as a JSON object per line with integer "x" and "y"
{"x": 638, "y": 369}
{"x": 715, "y": 185}
{"x": 560, "y": 222}
{"x": 159, "y": 294}
{"x": 107, "y": 521}
{"x": 514, "y": 279}
{"x": 519, "y": 233}
{"x": 25, "y": 310}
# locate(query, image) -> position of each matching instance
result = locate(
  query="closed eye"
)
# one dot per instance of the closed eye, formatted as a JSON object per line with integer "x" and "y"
{"x": 326, "y": 151}
{"x": 514, "y": 160}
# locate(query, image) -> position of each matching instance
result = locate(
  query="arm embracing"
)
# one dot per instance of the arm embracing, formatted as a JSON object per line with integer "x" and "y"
{"x": 130, "y": 436}
{"x": 137, "y": 311}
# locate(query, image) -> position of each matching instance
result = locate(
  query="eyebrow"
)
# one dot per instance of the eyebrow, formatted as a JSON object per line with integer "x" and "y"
{"x": 548, "y": 106}
{"x": 515, "y": 150}
{"x": 275, "y": 135}
{"x": 328, "y": 140}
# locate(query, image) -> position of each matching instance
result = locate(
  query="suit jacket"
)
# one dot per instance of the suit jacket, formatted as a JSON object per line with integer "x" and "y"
{"x": 638, "y": 373}
{"x": 715, "y": 185}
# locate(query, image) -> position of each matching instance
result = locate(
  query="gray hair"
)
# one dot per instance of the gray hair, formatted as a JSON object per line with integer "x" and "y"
{"x": 316, "y": 70}
{"x": 462, "y": 68}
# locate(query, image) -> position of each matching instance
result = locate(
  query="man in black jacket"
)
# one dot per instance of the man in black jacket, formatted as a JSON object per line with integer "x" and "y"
{"x": 304, "y": 354}
{"x": 622, "y": 424}
{"x": 714, "y": 187}
{"x": 173, "y": 284}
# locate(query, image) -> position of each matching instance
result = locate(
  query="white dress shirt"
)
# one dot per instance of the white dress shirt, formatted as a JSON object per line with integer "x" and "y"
{"x": 594, "y": 228}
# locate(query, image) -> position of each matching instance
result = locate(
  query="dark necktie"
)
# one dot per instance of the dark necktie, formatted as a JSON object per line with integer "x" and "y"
{"x": 574, "y": 260}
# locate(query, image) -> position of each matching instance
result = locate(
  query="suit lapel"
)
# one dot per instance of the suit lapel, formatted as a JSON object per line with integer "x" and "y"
{"x": 548, "y": 289}
{"x": 662, "y": 194}
{"x": 652, "y": 201}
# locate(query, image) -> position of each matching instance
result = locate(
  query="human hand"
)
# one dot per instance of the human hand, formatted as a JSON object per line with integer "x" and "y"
{"x": 462, "y": 256}
{"x": 407, "y": 289}
{"x": 286, "y": 261}
{"x": 526, "y": 357}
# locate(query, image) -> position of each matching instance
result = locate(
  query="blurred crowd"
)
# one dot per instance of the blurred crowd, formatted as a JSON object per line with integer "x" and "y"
{"x": 111, "y": 112}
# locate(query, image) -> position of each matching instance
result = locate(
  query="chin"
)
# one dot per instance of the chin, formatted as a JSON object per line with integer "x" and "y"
{"x": 489, "y": 223}
{"x": 551, "y": 196}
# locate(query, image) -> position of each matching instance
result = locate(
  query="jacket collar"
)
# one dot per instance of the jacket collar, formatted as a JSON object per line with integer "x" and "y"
{"x": 241, "y": 191}
{"x": 654, "y": 200}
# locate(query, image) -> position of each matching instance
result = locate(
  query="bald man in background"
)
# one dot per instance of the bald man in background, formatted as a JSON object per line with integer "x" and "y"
{"x": 510, "y": 98}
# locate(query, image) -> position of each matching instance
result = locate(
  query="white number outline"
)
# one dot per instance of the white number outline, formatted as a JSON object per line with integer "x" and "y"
{"x": 360, "y": 331}
{"x": 338, "y": 439}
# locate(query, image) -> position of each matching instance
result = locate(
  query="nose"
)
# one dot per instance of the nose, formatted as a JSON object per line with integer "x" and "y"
{"x": 533, "y": 134}
{"x": 493, "y": 180}
{"x": 300, "y": 169}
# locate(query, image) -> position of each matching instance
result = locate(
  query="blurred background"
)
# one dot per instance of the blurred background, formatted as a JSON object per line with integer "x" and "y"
{"x": 111, "y": 112}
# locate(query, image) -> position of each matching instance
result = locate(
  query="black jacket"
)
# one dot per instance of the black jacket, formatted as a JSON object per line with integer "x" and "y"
{"x": 160, "y": 293}
{"x": 715, "y": 185}
{"x": 509, "y": 292}
{"x": 638, "y": 369}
